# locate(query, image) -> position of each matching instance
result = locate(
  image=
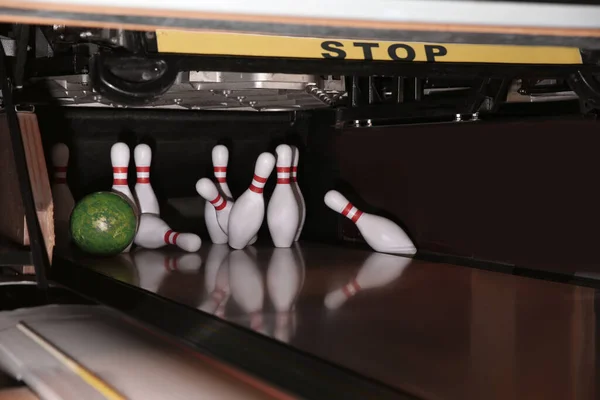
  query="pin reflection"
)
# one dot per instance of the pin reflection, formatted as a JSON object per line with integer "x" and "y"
{"x": 154, "y": 265}
{"x": 247, "y": 287}
{"x": 377, "y": 271}
{"x": 216, "y": 281}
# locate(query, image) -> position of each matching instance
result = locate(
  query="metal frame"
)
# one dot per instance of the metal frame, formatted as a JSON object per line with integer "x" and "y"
{"x": 36, "y": 238}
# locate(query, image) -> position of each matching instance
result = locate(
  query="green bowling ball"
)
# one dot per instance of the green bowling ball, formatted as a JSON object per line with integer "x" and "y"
{"x": 103, "y": 223}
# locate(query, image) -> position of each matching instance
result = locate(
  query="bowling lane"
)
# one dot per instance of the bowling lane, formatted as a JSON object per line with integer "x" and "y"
{"x": 435, "y": 330}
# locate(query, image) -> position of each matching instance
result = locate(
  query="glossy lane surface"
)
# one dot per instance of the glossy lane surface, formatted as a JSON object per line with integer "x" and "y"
{"x": 438, "y": 331}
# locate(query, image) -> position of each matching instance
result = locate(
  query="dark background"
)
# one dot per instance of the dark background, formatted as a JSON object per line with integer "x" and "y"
{"x": 522, "y": 192}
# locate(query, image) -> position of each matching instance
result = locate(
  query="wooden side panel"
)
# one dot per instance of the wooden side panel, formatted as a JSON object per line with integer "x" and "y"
{"x": 13, "y": 224}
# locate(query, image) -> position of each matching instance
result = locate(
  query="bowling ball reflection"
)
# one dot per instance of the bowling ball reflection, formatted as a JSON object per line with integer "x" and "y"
{"x": 118, "y": 267}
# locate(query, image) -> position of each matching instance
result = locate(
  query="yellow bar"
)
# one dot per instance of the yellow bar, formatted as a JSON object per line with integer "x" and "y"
{"x": 216, "y": 43}
{"x": 88, "y": 376}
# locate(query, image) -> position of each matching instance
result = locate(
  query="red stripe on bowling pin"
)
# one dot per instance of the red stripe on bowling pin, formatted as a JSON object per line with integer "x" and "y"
{"x": 258, "y": 184}
{"x": 294, "y": 174}
{"x": 143, "y": 174}
{"x": 120, "y": 176}
{"x": 221, "y": 174}
{"x": 351, "y": 289}
{"x": 351, "y": 212}
{"x": 60, "y": 174}
{"x": 283, "y": 175}
{"x": 171, "y": 237}
{"x": 219, "y": 202}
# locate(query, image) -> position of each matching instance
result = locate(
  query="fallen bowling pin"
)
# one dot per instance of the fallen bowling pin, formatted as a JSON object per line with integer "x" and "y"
{"x": 209, "y": 192}
{"x": 377, "y": 271}
{"x": 248, "y": 212}
{"x": 154, "y": 233}
{"x": 380, "y": 233}
{"x": 283, "y": 212}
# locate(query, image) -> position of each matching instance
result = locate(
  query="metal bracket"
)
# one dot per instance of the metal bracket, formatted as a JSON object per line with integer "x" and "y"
{"x": 38, "y": 249}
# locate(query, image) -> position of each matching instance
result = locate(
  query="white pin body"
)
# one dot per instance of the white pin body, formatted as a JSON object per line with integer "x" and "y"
{"x": 222, "y": 206}
{"x": 220, "y": 159}
{"x": 154, "y": 233}
{"x": 62, "y": 197}
{"x": 119, "y": 157}
{"x": 377, "y": 271}
{"x": 384, "y": 235}
{"x": 283, "y": 213}
{"x": 297, "y": 191}
{"x": 246, "y": 282}
{"x": 217, "y": 236}
{"x": 248, "y": 212}
{"x": 283, "y": 279}
{"x": 147, "y": 200}
{"x": 380, "y": 233}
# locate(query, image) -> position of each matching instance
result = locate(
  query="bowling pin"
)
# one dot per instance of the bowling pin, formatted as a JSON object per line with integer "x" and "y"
{"x": 248, "y": 212}
{"x": 284, "y": 278}
{"x": 153, "y": 233}
{"x": 61, "y": 194}
{"x": 377, "y": 271}
{"x": 142, "y": 155}
{"x": 283, "y": 212}
{"x": 247, "y": 287}
{"x": 220, "y": 159}
{"x": 154, "y": 265}
{"x": 297, "y": 191}
{"x": 209, "y": 192}
{"x": 119, "y": 157}
{"x": 380, "y": 233}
